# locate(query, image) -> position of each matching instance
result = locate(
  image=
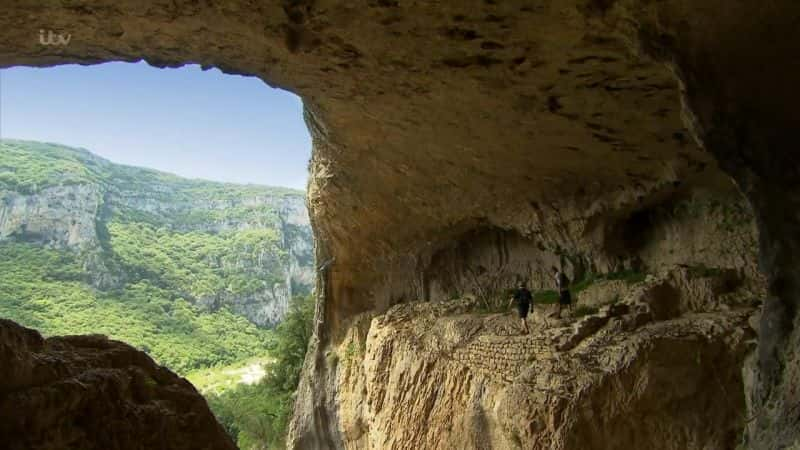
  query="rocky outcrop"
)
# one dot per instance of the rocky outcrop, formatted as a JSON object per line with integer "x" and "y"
{"x": 60, "y": 216}
{"x": 433, "y": 120}
{"x": 265, "y": 307}
{"x": 89, "y": 392}
{"x": 657, "y": 337}
{"x": 434, "y": 375}
{"x": 701, "y": 232}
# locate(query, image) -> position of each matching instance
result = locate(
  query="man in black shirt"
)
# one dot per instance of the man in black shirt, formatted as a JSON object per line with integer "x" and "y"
{"x": 524, "y": 299}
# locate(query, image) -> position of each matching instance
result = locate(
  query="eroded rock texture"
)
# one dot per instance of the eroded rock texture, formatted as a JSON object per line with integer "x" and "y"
{"x": 435, "y": 377}
{"x": 89, "y": 392}
{"x": 561, "y": 125}
{"x": 656, "y": 363}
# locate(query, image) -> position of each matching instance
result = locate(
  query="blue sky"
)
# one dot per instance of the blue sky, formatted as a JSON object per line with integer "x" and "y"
{"x": 194, "y": 123}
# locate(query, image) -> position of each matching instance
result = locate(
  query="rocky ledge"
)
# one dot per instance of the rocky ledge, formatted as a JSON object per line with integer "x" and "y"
{"x": 636, "y": 373}
{"x": 89, "y": 392}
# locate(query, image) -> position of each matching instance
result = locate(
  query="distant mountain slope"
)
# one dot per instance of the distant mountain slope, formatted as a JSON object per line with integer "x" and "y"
{"x": 83, "y": 239}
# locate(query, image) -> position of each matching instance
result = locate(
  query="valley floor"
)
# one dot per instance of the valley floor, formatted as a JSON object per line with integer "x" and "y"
{"x": 217, "y": 380}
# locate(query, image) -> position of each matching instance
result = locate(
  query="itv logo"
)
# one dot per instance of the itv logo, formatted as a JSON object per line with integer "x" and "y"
{"x": 48, "y": 37}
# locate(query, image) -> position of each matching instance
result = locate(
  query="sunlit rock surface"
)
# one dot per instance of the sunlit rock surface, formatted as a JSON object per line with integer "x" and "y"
{"x": 429, "y": 375}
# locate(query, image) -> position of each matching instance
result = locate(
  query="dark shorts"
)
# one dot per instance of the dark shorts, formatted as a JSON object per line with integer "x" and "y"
{"x": 523, "y": 310}
{"x": 564, "y": 298}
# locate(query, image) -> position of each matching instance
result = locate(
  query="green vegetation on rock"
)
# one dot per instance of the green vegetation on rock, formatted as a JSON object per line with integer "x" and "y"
{"x": 547, "y": 296}
{"x": 499, "y": 302}
{"x": 582, "y": 311}
{"x": 46, "y": 289}
{"x": 628, "y": 276}
{"x": 29, "y": 167}
{"x": 196, "y": 263}
{"x": 189, "y": 271}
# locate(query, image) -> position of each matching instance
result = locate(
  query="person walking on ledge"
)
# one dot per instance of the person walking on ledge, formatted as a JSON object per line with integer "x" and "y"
{"x": 523, "y": 298}
{"x": 564, "y": 297}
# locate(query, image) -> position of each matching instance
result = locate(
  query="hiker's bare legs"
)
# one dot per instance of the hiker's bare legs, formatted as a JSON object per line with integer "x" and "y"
{"x": 525, "y": 326}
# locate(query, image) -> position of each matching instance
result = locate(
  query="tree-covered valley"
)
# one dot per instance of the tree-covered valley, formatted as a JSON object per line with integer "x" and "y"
{"x": 197, "y": 274}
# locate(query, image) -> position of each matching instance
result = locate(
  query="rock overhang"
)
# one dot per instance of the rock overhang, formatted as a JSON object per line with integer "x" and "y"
{"x": 528, "y": 116}
{"x": 423, "y": 118}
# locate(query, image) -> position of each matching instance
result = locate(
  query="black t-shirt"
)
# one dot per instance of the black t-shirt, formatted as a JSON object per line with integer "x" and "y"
{"x": 523, "y": 297}
{"x": 562, "y": 282}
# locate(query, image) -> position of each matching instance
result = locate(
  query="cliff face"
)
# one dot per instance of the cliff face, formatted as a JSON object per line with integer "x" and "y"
{"x": 433, "y": 376}
{"x": 89, "y": 392}
{"x": 92, "y": 212}
{"x": 560, "y": 124}
{"x": 63, "y": 216}
{"x": 657, "y": 356}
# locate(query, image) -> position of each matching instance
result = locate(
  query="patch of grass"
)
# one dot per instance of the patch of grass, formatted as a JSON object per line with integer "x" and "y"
{"x": 587, "y": 281}
{"x": 545, "y": 297}
{"x": 628, "y": 276}
{"x": 701, "y": 271}
{"x": 582, "y": 311}
{"x": 351, "y": 351}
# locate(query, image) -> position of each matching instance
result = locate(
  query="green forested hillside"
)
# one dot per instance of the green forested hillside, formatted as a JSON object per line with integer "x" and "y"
{"x": 181, "y": 260}
{"x": 30, "y": 167}
{"x": 48, "y": 290}
{"x": 193, "y": 272}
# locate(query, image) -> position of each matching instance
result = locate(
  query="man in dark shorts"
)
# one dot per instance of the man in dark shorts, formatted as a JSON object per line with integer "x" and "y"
{"x": 523, "y": 299}
{"x": 564, "y": 297}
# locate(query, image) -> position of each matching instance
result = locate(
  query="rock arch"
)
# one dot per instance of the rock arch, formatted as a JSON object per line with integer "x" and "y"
{"x": 430, "y": 119}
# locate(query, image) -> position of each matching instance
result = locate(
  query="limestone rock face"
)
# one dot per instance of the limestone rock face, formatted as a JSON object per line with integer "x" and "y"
{"x": 89, "y": 392}
{"x": 61, "y": 216}
{"x": 550, "y": 122}
{"x": 267, "y": 306}
{"x": 431, "y": 376}
{"x": 656, "y": 363}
